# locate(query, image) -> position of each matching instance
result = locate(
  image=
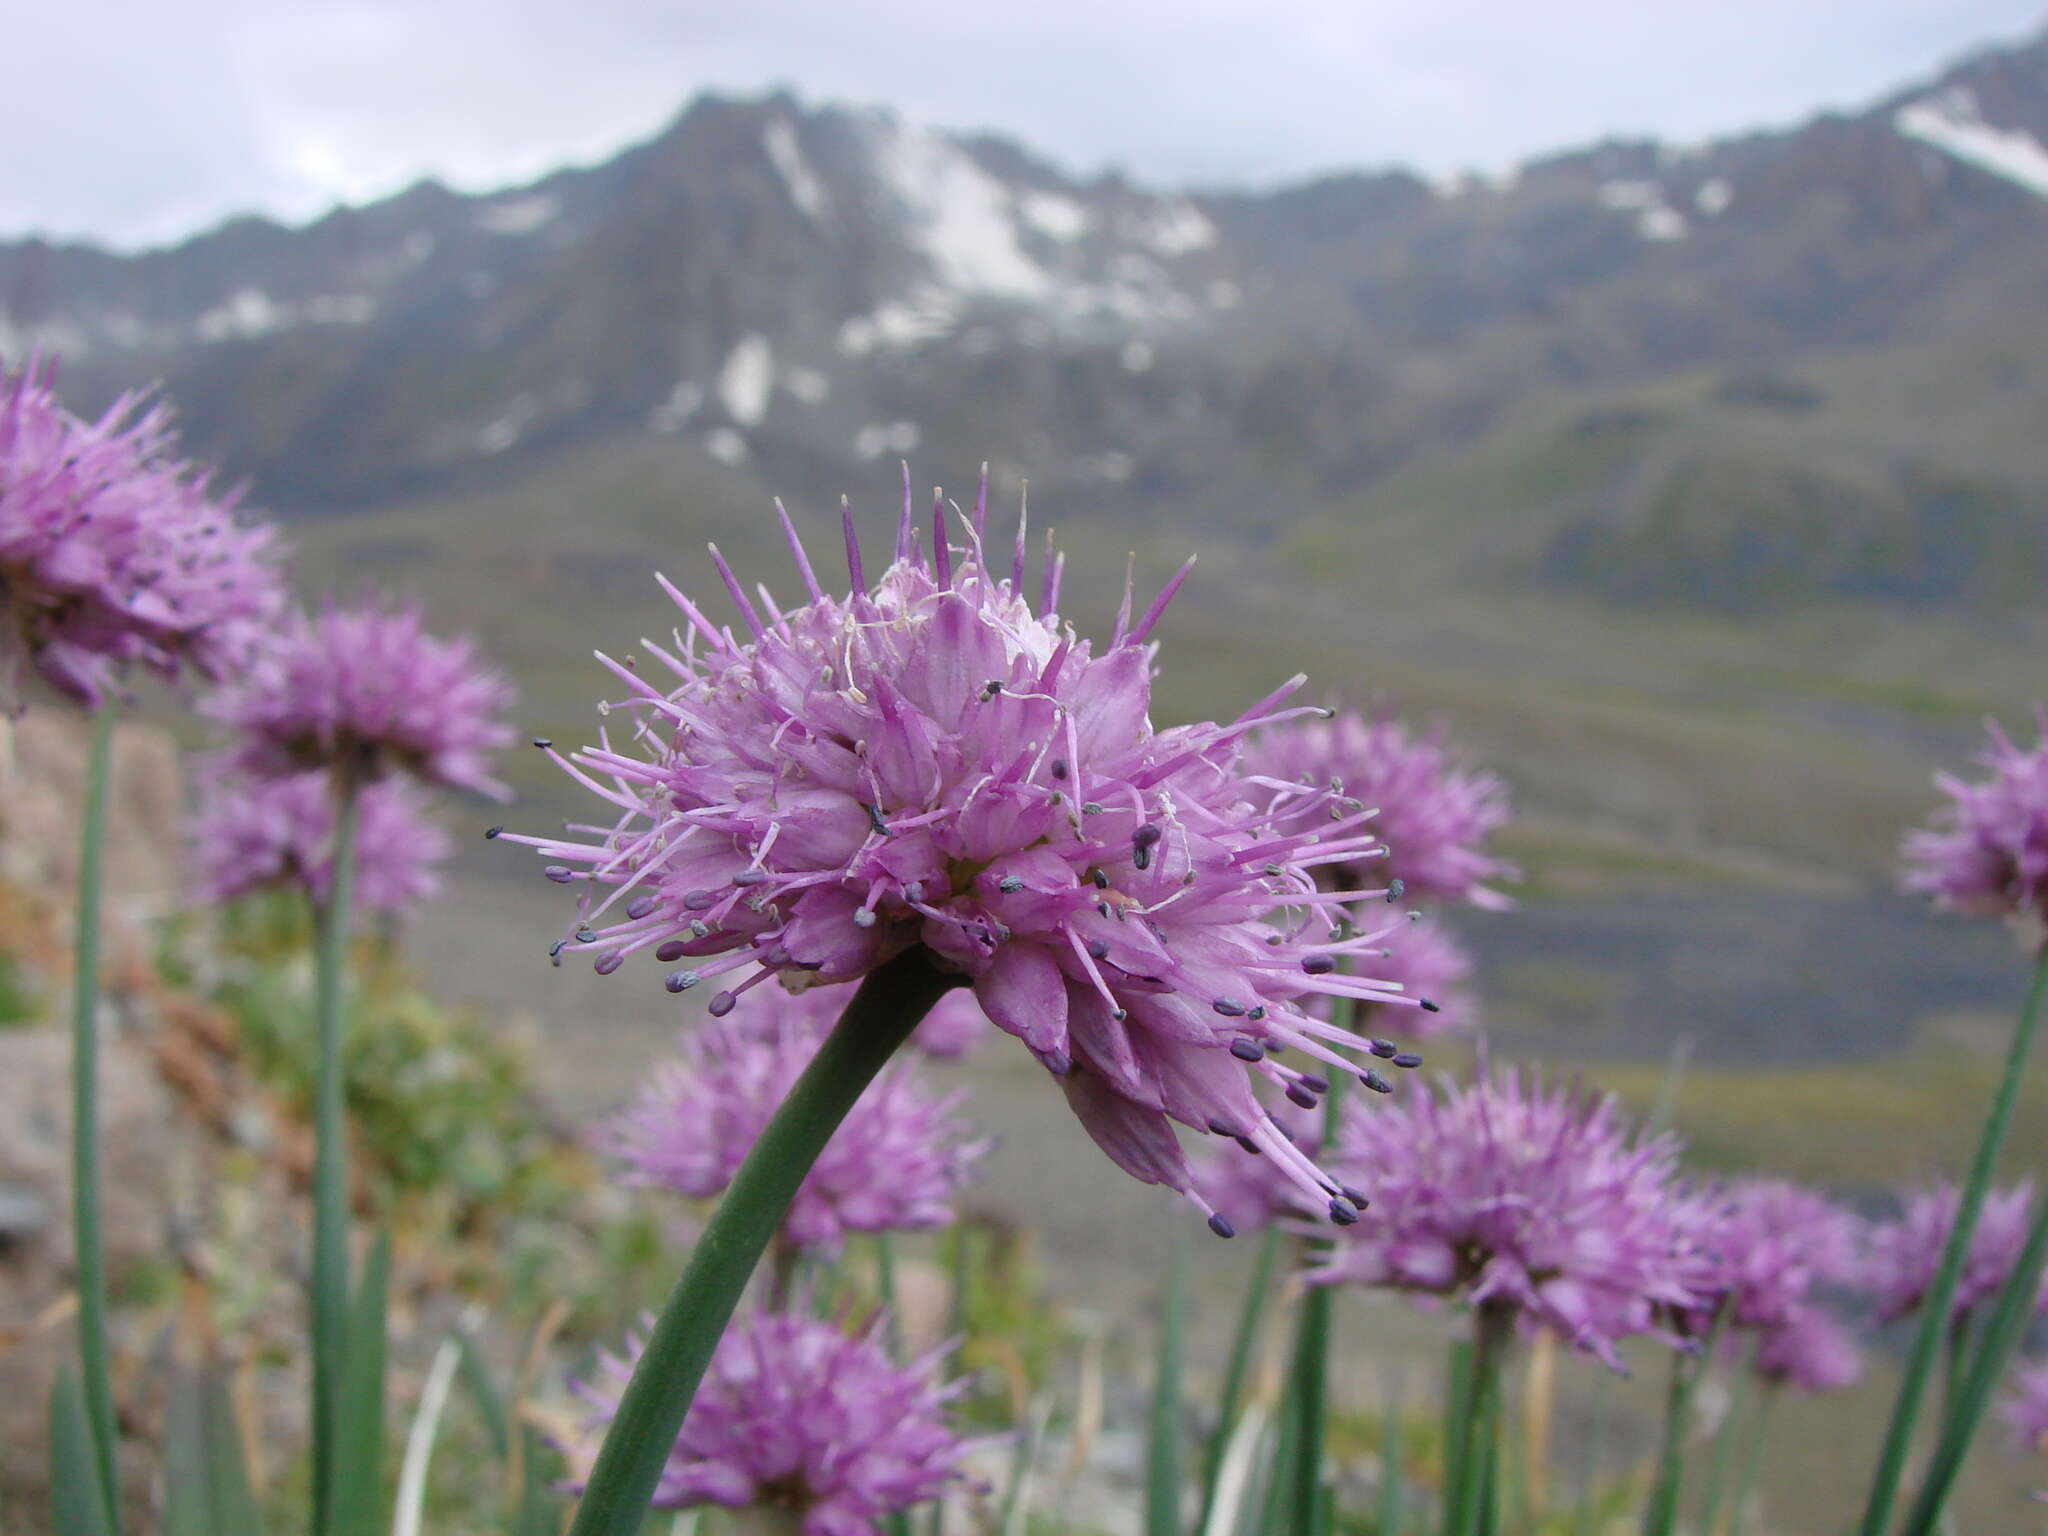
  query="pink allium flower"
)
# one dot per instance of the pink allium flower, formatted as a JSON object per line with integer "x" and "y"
{"x": 1904, "y": 1253}
{"x": 1504, "y": 1190}
{"x": 1424, "y": 959}
{"x": 1432, "y": 813}
{"x": 929, "y": 763}
{"x": 372, "y": 692}
{"x": 1808, "y": 1351}
{"x": 1988, "y": 850}
{"x": 895, "y": 1164}
{"x": 795, "y": 1414}
{"x": 1772, "y": 1242}
{"x": 113, "y": 552}
{"x": 248, "y": 834}
{"x": 954, "y": 1027}
{"x": 1248, "y": 1189}
{"x": 2027, "y": 1409}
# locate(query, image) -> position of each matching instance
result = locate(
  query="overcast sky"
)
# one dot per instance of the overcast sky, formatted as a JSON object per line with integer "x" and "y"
{"x": 138, "y": 121}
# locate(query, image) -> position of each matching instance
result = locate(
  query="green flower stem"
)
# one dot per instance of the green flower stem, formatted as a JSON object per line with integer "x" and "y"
{"x": 1308, "y": 1380}
{"x": 1162, "y": 1457}
{"x": 1934, "y": 1307}
{"x": 1457, "y": 1433}
{"x": 1236, "y": 1370}
{"x": 2001, "y": 1334}
{"x": 1752, "y": 1463}
{"x": 1589, "y": 1454}
{"x": 880, "y": 1017}
{"x": 1660, "y": 1515}
{"x": 1724, "y": 1446}
{"x": 330, "y": 1156}
{"x": 1478, "y": 1464}
{"x": 85, "y": 1113}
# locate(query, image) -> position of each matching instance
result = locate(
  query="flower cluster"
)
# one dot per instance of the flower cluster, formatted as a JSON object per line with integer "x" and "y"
{"x": 370, "y": 693}
{"x": 928, "y": 763}
{"x": 1432, "y": 813}
{"x": 1809, "y": 1352}
{"x": 2027, "y": 1409}
{"x": 1904, "y": 1253}
{"x": 115, "y": 553}
{"x": 1988, "y": 851}
{"x": 1537, "y": 1199}
{"x": 1773, "y": 1242}
{"x": 896, "y": 1162}
{"x": 797, "y": 1415}
{"x": 1422, "y": 958}
{"x": 250, "y": 833}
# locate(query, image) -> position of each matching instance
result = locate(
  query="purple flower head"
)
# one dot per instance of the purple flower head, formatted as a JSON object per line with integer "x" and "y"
{"x": 1808, "y": 1351}
{"x": 1432, "y": 813}
{"x": 1249, "y": 1189}
{"x": 1772, "y": 1242}
{"x": 895, "y": 1164}
{"x": 2026, "y": 1410}
{"x": 1905, "y": 1252}
{"x": 1988, "y": 850}
{"x": 114, "y": 553}
{"x": 954, "y": 1027}
{"x": 251, "y": 833}
{"x": 1540, "y": 1198}
{"x": 797, "y": 1415}
{"x": 927, "y": 763}
{"x": 372, "y": 692}
{"x": 1423, "y": 959}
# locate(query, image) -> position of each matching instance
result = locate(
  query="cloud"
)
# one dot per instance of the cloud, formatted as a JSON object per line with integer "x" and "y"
{"x": 149, "y": 120}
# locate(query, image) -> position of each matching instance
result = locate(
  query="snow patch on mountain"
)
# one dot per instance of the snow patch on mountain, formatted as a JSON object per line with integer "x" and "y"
{"x": 1953, "y": 122}
{"x": 250, "y": 312}
{"x": 1655, "y": 218}
{"x": 519, "y": 216}
{"x": 747, "y": 378}
{"x": 960, "y": 218}
{"x": 784, "y": 153}
{"x": 1173, "y": 229}
{"x": 1054, "y": 216}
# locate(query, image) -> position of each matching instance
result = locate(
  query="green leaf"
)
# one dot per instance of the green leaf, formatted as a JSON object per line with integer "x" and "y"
{"x": 537, "y": 1515}
{"x": 78, "y": 1501}
{"x": 477, "y": 1377}
{"x": 1162, "y": 1460}
{"x": 1256, "y": 1300}
{"x": 234, "y": 1501}
{"x": 206, "y": 1488}
{"x": 356, "y": 1503}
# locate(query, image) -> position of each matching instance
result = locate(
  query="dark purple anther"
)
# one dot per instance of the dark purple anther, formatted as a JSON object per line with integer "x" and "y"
{"x": 1256, "y": 1013}
{"x": 542, "y": 742}
{"x": 1396, "y": 889}
{"x": 994, "y": 687}
{"x": 881, "y": 827}
{"x": 1386, "y": 1050}
{"x": 671, "y": 952}
{"x": 700, "y": 901}
{"x": 561, "y": 874}
{"x": 1247, "y": 1050}
{"x": 607, "y": 963}
{"x": 1100, "y": 877}
{"x": 1250, "y": 1146}
{"x": 1319, "y": 965}
{"x": 1059, "y": 768}
{"x": 1098, "y": 949}
{"x": 1220, "y": 1225}
{"x": 492, "y": 832}
{"x": 1354, "y": 1197}
{"x": 1315, "y": 1082}
{"x": 1375, "y": 1082}
{"x": 863, "y": 917}
{"x": 748, "y": 877}
{"x": 555, "y": 949}
{"x": 1010, "y": 885}
{"x": 1343, "y": 1213}
{"x": 1142, "y": 842}
{"x": 1297, "y": 1094}
{"x": 585, "y": 936}
{"x": 1428, "y": 1006}
{"x": 679, "y": 981}
{"x": 1229, "y": 1008}
{"x": 722, "y": 1004}
{"x": 639, "y": 907}
{"x": 1407, "y": 1059}
{"x": 1218, "y": 1128}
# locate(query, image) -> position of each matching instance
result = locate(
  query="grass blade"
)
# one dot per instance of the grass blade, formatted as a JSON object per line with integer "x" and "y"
{"x": 78, "y": 1501}
{"x": 536, "y": 1515}
{"x": 489, "y": 1403}
{"x": 1935, "y": 1306}
{"x": 1241, "y": 1345}
{"x": 234, "y": 1500}
{"x": 356, "y": 1498}
{"x": 206, "y": 1487}
{"x": 1162, "y": 1458}
{"x": 330, "y": 1166}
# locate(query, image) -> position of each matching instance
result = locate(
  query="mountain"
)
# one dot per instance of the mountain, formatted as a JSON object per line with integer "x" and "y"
{"x": 795, "y": 292}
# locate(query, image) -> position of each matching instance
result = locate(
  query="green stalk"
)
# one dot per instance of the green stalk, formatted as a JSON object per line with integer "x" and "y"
{"x": 1390, "y": 1461}
{"x": 1661, "y": 1513}
{"x": 1934, "y": 1307}
{"x": 885, "y": 1282}
{"x": 1476, "y": 1507}
{"x": 2007, "y": 1325}
{"x": 330, "y": 1158}
{"x": 880, "y": 1017}
{"x": 1238, "y": 1368}
{"x": 1308, "y": 1382}
{"x": 1162, "y": 1459}
{"x": 1457, "y": 1439}
{"x": 95, "y": 1380}
{"x": 1745, "y": 1488}
{"x": 1724, "y": 1447}
{"x": 1589, "y": 1453}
